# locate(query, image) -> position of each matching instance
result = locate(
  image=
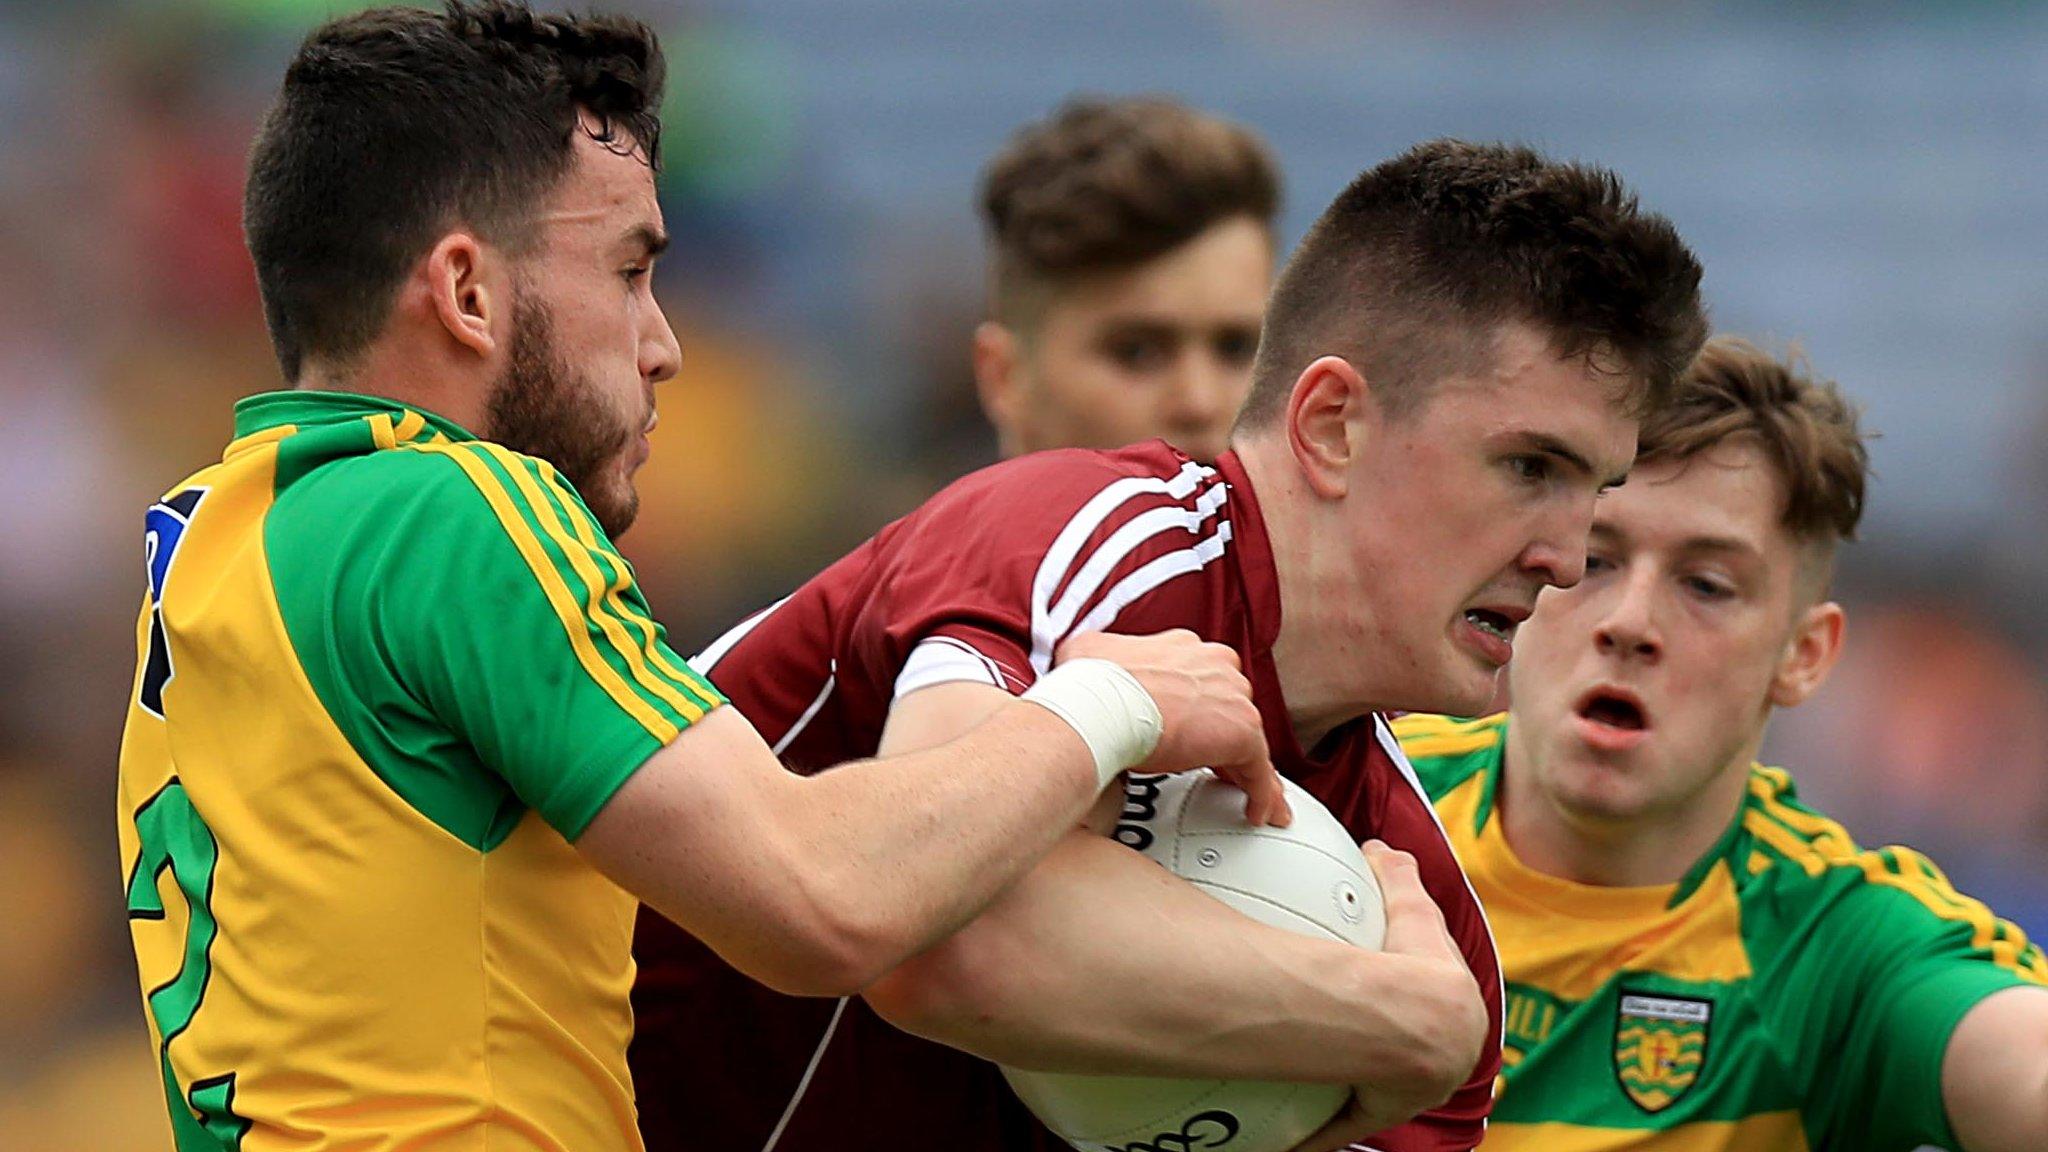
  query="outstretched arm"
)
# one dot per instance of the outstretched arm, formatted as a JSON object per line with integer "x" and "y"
{"x": 1098, "y": 960}
{"x": 820, "y": 884}
{"x": 1994, "y": 1077}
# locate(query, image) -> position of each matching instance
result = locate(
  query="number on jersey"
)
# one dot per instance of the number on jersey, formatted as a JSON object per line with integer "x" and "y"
{"x": 163, "y": 529}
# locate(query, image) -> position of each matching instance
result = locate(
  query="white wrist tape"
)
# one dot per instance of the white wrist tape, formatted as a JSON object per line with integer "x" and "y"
{"x": 1106, "y": 705}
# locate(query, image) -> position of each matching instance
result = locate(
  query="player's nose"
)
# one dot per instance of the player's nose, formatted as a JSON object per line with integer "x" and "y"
{"x": 1199, "y": 404}
{"x": 1557, "y": 562}
{"x": 1629, "y": 626}
{"x": 661, "y": 355}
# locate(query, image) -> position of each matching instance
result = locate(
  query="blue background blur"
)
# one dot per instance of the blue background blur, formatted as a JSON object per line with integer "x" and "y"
{"x": 1868, "y": 180}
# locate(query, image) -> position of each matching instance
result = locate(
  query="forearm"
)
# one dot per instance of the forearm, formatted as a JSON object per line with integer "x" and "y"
{"x": 912, "y": 847}
{"x": 818, "y": 885}
{"x": 1100, "y": 961}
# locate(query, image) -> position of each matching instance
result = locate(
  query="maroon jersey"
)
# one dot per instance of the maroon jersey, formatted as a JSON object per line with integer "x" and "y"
{"x": 981, "y": 584}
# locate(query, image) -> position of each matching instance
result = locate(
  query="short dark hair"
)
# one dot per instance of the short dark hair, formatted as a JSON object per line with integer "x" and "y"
{"x": 397, "y": 123}
{"x": 1106, "y": 185}
{"x": 1412, "y": 270}
{"x": 1736, "y": 391}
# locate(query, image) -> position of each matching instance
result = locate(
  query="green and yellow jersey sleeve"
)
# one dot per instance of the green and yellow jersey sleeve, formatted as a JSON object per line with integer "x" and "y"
{"x": 1870, "y": 960}
{"x": 474, "y": 633}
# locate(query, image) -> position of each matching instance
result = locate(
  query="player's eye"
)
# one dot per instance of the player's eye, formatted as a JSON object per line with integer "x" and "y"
{"x": 636, "y": 273}
{"x": 1237, "y": 347}
{"x": 1595, "y": 562}
{"x": 1530, "y": 469}
{"x": 1709, "y": 587}
{"x": 1139, "y": 353}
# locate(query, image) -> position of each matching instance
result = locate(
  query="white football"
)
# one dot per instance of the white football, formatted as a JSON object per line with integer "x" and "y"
{"x": 1308, "y": 877}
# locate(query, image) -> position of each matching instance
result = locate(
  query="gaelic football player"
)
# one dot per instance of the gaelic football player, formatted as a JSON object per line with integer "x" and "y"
{"x": 1696, "y": 960}
{"x": 1453, "y": 367}
{"x": 1130, "y": 251}
{"x": 405, "y": 744}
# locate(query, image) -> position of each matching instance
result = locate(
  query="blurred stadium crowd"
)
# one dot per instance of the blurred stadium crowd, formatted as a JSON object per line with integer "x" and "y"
{"x": 1867, "y": 183}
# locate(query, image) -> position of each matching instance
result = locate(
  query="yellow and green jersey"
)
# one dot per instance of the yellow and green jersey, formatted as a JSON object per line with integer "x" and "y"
{"x": 386, "y": 674}
{"x": 1791, "y": 992}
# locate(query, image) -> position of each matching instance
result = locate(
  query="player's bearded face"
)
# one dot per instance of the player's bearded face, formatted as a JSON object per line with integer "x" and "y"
{"x": 1646, "y": 687}
{"x": 542, "y": 406}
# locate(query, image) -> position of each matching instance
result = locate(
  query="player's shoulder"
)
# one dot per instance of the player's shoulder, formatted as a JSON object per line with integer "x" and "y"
{"x": 456, "y": 486}
{"x": 451, "y": 515}
{"x": 1802, "y": 876}
{"x": 1057, "y": 482}
{"x": 1448, "y": 751}
{"x": 1073, "y": 505}
{"x": 1784, "y": 845}
{"x": 1785, "y": 850}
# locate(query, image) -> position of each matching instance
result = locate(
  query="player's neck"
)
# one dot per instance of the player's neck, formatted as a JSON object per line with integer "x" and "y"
{"x": 1316, "y": 653}
{"x": 1634, "y": 852}
{"x": 402, "y": 375}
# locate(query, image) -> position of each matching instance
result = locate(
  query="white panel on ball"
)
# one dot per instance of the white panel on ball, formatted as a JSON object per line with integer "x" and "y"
{"x": 1308, "y": 877}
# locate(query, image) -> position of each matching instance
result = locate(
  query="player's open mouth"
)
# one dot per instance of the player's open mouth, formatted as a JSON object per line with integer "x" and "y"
{"x": 1612, "y": 717}
{"x": 1491, "y": 631}
{"x": 1492, "y": 623}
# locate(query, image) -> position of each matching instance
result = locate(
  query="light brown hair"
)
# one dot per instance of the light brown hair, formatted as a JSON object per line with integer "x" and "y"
{"x": 1106, "y": 185}
{"x": 1802, "y": 424}
{"x": 1414, "y": 268}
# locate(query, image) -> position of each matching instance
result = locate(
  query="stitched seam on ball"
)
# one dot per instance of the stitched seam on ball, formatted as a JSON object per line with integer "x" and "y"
{"x": 1172, "y": 1111}
{"x": 1269, "y": 901}
{"x": 1180, "y": 817}
{"x": 1358, "y": 867}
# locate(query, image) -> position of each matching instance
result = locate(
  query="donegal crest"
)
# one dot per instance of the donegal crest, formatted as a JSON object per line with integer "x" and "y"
{"x": 1659, "y": 1044}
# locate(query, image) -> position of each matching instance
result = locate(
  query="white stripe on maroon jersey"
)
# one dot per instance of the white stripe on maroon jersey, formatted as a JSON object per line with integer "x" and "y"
{"x": 1121, "y": 543}
{"x": 1400, "y": 758}
{"x": 811, "y": 713}
{"x": 1046, "y": 633}
{"x": 704, "y": 661}
{"x": 1152, "y": 575}
{"x": 804, "y": 1085}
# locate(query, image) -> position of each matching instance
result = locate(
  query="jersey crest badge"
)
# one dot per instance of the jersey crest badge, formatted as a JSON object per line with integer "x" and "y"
{"x": 1660, "y": 1043}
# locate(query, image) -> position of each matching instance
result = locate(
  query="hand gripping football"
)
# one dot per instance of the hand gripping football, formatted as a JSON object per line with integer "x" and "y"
{"x": 1308, "y": 877}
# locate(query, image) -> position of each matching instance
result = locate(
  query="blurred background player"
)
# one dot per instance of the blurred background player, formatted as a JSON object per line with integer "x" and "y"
{"x": 1695, "y": 959}
{"x": 1131, "y": 247}
{"x": 404, "y": 736}
{"x": 1452, "y": 369}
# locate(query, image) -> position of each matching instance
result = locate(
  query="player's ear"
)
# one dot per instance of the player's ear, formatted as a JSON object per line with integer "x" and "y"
{"x": 1327, "y": 414}
{"x": 998, "y": 372}
{"x": 1810, "y": 655}
{"x": 465, "y": 292}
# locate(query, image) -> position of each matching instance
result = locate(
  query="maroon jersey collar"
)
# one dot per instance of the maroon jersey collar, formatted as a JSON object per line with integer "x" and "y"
{"x": 1254, "y": 550}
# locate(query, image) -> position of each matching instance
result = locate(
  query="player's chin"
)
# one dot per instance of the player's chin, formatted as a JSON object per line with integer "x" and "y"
{"x": 1598, "y": 791}
{"x": 1463, "y": 688}
{"x": 615, "y": 506}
